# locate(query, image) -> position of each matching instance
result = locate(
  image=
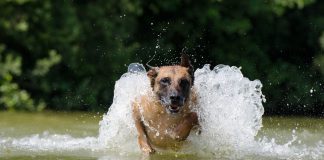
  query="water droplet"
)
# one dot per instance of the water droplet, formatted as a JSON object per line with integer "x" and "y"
{"x": 312, "y": 90}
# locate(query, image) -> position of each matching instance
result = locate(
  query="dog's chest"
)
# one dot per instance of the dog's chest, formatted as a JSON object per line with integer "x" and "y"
{"x": 160, "y": 126}
{"x": 158, "y": 118}
{"x": 158, "y": 122}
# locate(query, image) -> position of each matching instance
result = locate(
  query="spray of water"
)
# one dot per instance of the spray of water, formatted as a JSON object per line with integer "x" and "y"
{"x": 230, "y": 109}
{"x": 117, "y": 130}
{"x": 230, "y": 115}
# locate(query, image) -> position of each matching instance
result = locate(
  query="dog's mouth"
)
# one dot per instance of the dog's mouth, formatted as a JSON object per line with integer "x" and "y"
{"x": 174, "y": 108}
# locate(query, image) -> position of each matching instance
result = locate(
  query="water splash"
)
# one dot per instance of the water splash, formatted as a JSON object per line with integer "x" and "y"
{"x": 117, "y": 130}
{"x": 230, "y": 114}
{"x": 230, "y": 108}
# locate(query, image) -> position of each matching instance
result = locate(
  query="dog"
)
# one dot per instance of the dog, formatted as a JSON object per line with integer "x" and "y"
{"x": 165, "y": 119}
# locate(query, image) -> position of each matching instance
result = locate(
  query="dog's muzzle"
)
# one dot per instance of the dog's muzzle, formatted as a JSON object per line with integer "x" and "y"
{"x": 176, "y": 103}
{"x": 173, "y": 109}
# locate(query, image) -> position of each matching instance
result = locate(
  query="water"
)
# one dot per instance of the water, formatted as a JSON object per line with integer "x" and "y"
{"x": 230, "y": 113}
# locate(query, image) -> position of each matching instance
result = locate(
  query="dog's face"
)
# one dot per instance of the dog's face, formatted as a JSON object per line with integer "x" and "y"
{"x": 172, "y": 84}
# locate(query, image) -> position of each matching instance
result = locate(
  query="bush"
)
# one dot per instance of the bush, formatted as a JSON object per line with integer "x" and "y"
{"x": 11, "y": 96}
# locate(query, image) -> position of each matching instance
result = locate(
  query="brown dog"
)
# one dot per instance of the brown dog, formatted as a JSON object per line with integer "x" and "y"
{"x": 165, "y": 120}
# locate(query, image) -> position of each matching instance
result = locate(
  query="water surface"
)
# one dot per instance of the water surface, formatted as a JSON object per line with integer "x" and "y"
{"x": 80, "y": 125}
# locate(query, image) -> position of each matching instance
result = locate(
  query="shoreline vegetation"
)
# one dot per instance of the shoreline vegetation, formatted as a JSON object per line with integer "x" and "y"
{"x": 67, "y": 55}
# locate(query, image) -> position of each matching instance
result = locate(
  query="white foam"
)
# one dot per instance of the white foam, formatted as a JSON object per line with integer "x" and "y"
{"x": 230, "y": 106}
{"x": 44, "y": 142}
{"x": 117, "y": 130}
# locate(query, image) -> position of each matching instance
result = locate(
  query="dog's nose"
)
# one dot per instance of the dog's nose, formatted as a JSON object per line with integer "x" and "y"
{"x": 175, "y": 99}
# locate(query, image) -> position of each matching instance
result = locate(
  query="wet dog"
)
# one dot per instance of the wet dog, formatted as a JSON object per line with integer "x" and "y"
{"x": 165, "y": 119}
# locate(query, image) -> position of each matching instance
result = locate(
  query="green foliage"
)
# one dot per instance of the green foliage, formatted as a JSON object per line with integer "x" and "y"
{"x": 292, "y": 3}
{"x": 69, "y": 53}
{"x": 11, "y": 96}
{"x": 44, "y": 65}
{"x": 9, "y": 64}
{"x": 319, "y": 63}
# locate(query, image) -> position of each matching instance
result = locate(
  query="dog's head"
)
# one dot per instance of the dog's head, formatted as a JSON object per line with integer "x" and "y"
{"x": 172, "y": 84}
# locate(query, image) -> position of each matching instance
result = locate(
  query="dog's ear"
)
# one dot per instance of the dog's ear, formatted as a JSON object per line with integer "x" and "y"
{"x": 152, "y": 74}
{"x": 185, "y": 62}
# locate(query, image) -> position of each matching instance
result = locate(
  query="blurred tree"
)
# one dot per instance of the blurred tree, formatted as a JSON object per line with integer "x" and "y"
{"x": 90, "y": 47}
{"x": 72, "y": 52}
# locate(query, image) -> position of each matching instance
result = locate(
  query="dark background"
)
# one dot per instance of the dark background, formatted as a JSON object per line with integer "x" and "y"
{"x": 67, "y": 54}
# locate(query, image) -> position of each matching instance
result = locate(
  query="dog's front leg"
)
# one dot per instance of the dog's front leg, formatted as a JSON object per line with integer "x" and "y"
{"x": 182, "y": 131}
{"x": 142, "y": 137}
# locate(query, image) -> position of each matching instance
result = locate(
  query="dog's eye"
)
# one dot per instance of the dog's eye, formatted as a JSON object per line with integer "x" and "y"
{"x": 165, "y": 81}
{"x": 184, "y": 83}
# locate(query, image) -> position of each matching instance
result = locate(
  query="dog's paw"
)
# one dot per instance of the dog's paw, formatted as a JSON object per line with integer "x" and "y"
{"x": 147, "y": 149}
{"x": 145, "y": 146}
